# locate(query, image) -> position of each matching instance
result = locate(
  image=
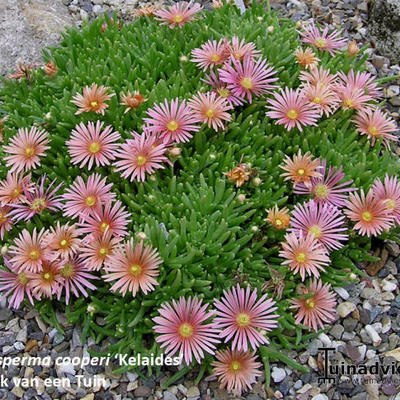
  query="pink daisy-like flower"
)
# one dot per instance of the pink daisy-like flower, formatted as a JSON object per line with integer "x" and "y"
{"x": 291, "y": 108}
{"x": 5, "y": 220}
{"x": 324, "y": 98}
{"x": 182, "y": 327}
{"x": 38, "y": 200}
{"x": 236, "y": 370}
{"x": 98, "y": 250}
{"x": 83, "y": 198}
{"x": 220, "y": 88}
{"x": 178, "y": 14}
{"x": 140, "y": 156}
{"x": 352, "y": 98}
{"x": 361, "y": 80}
{"x": 26, "y": 148}
{"x": 46, "y": 281}
{"x": 63, "y": 241}
{"x": 248, "y": 77}
{"x": 327, "y": 188}
{"x": 210, "y": 109}
{"x": 316, "y": 307}
{"x": 173, "y": 122}
{"x": 210, "y": 54}
{"x": 306, "y": 58}
{"x": 376, "y": 125}
{"x": 240, "y": 316}
{"x": 29, "y": 251}
{"x": 389, "y": 192}
{"x": 92, "y": 146}
{"x": 93, "y": 99}
{"x": 304, "y": 254}
{"x": 324, "y": 221}
{"x": 75, "y": 278}
{"x": 15, "y": 285}
{"x": 14, "y": 187}
{"x": 134, "y": 267}
{"x": 322, "y": 40}
{"x": 318, "y": 77}
{"x": 369, "y": 212}
{"x": 239, "y": 49}
{"x": 112, "y": 218}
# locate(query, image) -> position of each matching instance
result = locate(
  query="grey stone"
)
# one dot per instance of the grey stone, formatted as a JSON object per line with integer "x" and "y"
{"x": 169, "y": 396}
{"x": 336, "y": 331}
{"x": 5, "y": 313}
{"x": 350, "y": 324}
{"x": 142, "y": 391}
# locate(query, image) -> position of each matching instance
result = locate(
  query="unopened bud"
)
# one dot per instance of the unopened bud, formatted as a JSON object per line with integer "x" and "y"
{"x": 91, "y": 309}
{"x": 183, "y": 59}
{"x": 352, "y": 277}
{"x": 213, "y": 156}
{"x": 241, "y": 198}
{"x": 260, "y": 18}
{"x": 141, "y": 236}
{"x": 254, "y": 228}
{"x": 152, "y": 178}
{"x": 48, "y": 116}
{"x": 299, "y": 24}
{"x": 4, "y": 250}
{"x": 175, "y": 152}
{"x": 352, "y": 49}
{"x": 257, "y": 181}
{"x": 270, "y": 29}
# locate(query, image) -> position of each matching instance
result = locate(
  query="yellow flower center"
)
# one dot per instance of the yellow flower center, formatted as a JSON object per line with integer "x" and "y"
{"x": 135, "y": 269}
{"x": 209, "y": 113}
{"x": 310, "y": 303}
{"x": 301, "y": 171}
{"x": 301, "y": 257}
{"x": 278, "y": 222}
{"x": 23, "y": 279}
{"x": 15, "y": 193}
{"x": 94, "y": 103}
{"x": 373, "y": 131}
{"x": 243, "y": 320}
{"x": 94, "y": 147}
{"x": 223, "y": 92}
{"x": 366, "y": 216}
{"x": 34, "y": 255}
{"x": 247, "y": 83}
{"x": 178, "y": 18}
{"x": 3, "y": 218}
{"x": 215, "y": 58}
{"x": 390, "y": 204}
{"x": 47, "y": 276}
{"x": 38, "y": 204}
{"x": 29, "y": 151}
{"x": 320, "y": 43}
{"x": 141, "y": 160}
{"x": 68, "y": 270}
{"x": 186, "y": 330}
{"x": 321, "y": 191}
{"x": 235, "y": 366}
{"x": 103, "y": 251}
{"x": 317, "y": 100}
{"x": 103, "y": 227}
{"x": 90, "y": 201}
{"x": 292, "y": 114}
{"x": 316, "y": 231}
{"x": 348, "y": 103}
{"x": 238, "y": 56}
{"x": 64, "y": 244}
{"x": 172, "y": 125}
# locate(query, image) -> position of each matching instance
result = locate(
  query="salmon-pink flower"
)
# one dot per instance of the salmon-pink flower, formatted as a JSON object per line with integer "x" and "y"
{"x": 173, "y": 122}
{"x": 63, "y": 241}
{"x": 14, "y": 187}
{"x": 210, "y": 54}
{"x": 304, "y": 254}
{"x": 178, "y": 14}
{"x": 46, "y": 281}
{"x": 240, "y": 316}
{"x": 248, "y": 77}
{"x": 76, "y": 277}
{"x": 278, "y": 218}
{"x": 318, "y": 77}
{"x": 93, "y": 99}
{"x": 22, "y": 71}
{"x": 376, "y": 125}
{"x": 306, "y": 58}
{"x": 82, "y": 198}
{"x": 112, "y": 218}
{"x": 92, "y": 146}
{"x": 361, "y": 80}
{"x": 39, "y": 199}
{"x": 210, "y": 109}
{"x": 324, "y": 221}
{"x": 389, "y": 192}
{"x": 291, "y": 108}
{"x": 327, "y": 188}
{"x": 29, "y": 251}
{"x": 322, "y": 40}
{"x": 140, "y": 156}
{"x": 316, "y": 307}
{"x": 25, "y": 149}
{"x": 239, "y": 49}
{"x": 369, "y": 212}
{"x": 133, "y": 267}
{"x": 5, "y": 221}
{"x": 132, "y": 101}
{"x": 324, "y": 98}
{"x": 236, "y": 370}
{"x": 50, "y": 68}
{"x": 183, "y": 328}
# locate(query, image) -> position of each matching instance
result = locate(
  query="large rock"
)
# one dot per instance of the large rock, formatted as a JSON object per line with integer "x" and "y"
{"x": 26, "y": 26}
{"x": 384, "y": 28}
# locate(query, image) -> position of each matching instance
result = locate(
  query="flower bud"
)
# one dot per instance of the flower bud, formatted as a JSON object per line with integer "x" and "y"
{"x": 183, "y": 59}
{"x": 141, "y": 236}
{"x": 175, "y": 152}
{"x": 257, "y": 181}
{"x": 241, "y": 198}
{"x": 352, "y": 49}
{"x": 270, "y": 29}
{"x": 91, "y": 308}
{"x": 4, "y": 250}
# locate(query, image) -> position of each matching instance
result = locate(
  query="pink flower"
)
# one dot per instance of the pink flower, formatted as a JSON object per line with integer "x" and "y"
{"x": 47, "y": 280}
{"x": 134, "y": 267}
{"x": 92, "y": 146}
{"x": 389, "y": 193}
{"x": 141, "y": 155}
{"x": 173, "y": 123}
{"x": 240, "y": 316}
{"x": 318, "y": 77}
{"x": 25, "y": 149}
{"x": 94, "y": 99}
{"x": 210, "y": 54}
{"x": 5, "y": 220}
{"x": 316, "y": 307}
{"x": 361, "y": 80}
{"x": 14, "y": 187}
{"x": 29, "y": 251}
{"x": 322, "y": 41}
{"x": 63, "y": 241}
{"x": 38, "y": 200}
{"x": 369, "y": 212}
{"x": 324, "y": 98}
{"x": 327, "y": 188}
{"x": 112, "y": 218}
{"x": 324, "y": 221}
{"x": 75, "y": 278}
{"x": 239, "y": 49}
{"x": 292, "y": 108}
{"x": 376, "y": 125}
{"x": 210, "y": 109}
{"x": 304, "y": 254}
{"x": 236, "y": 370}
{"x": 248, "y": 77}
{"x": 178, "y": 14}
{"x": 182, "y": 329}
{"x": 84, "y": 198}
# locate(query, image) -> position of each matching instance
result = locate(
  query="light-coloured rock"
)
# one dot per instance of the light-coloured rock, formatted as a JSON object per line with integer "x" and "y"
{"x": 324, "y": 338}
{"x": 393, "y": 353}
{"x": 345, "y": 308}
{"x": 320, "y": 396}
{"x": 370, "y": 354}
{"x": 389, "y": 286}
{"x": 373, "y": 334}
{"x": 342, "y": 292}
{"x": 278, "y": 374}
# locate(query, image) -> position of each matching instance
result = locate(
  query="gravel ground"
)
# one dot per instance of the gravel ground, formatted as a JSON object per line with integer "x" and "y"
{"x": 366, "y": 330}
